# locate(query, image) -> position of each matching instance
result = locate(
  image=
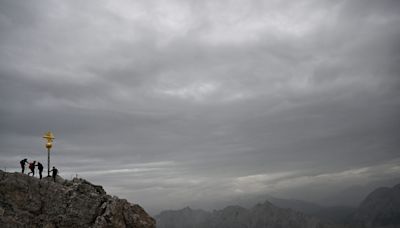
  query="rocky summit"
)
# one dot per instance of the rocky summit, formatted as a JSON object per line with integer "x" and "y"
{"x": 29, "y": 202}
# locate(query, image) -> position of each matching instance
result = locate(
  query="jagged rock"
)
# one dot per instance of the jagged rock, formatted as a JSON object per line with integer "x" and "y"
{"x": 29, "y": 202}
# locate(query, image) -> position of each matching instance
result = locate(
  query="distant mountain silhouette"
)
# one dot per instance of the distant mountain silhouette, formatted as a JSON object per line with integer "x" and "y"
{"x": 381, "y": 208}
{"x": 261, "y": 215}
{"x": 352, "y": 196}
{"x": 298, "y": 205}
{"x": 336, "y": 214}
{"x": 185, "y": 218}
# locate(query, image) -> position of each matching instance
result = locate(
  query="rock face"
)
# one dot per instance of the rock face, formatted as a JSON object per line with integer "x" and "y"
{"x": 381, "y": 208}
{"x": 29, "y": 202}
{"x": 261, "y": 215}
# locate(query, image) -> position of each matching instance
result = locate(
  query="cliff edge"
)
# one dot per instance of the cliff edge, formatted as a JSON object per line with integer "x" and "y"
{"x": 29, "y": 202}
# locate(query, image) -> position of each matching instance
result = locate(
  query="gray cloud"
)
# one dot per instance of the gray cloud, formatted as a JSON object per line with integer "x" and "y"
{"x": 186, "y": 99}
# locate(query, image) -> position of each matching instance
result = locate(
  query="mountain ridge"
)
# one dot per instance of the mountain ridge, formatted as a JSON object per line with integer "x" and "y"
{"x": 379, "y": 209}
{"x": 261, "y": 215}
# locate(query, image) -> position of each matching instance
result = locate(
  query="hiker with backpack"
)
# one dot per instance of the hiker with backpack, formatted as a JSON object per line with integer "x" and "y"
{"x": 40, "y": 168}
{"x": 22, "y": 163}
{"x": 32, "y": 168}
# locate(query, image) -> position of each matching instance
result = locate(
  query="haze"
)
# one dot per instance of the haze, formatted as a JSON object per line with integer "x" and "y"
{"x": 175, "y": 103}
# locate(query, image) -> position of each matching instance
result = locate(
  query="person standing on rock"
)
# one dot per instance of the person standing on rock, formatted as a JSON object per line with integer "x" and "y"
{"x": 32, "y": 168}
{"x": 23, "y": 162}
{"x": 54, "y": 173}
{"x": 40, "y": 168}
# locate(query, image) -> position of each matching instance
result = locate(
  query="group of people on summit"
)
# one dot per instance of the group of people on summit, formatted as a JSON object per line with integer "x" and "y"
{"x": 32, "y": 165}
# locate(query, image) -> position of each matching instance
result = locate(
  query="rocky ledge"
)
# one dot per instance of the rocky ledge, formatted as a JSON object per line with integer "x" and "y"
{"x": 29, "y": 202}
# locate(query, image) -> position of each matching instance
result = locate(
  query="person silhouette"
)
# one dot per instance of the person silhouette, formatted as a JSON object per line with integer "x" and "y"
{"x": 54, "y": 173}
{"x": 22, "y": 163}
{"x": 32, "y": 168}
{"x": 40, "y": 168}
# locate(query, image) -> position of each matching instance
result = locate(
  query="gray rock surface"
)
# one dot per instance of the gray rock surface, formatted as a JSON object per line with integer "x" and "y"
{"x": 29, "y": 202}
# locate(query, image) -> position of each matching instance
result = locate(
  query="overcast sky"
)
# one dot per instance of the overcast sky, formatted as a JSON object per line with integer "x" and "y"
{"x": 171, "y": 102}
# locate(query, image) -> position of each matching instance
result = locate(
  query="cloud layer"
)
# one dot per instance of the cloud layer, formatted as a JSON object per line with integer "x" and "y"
{"x": 169, "y": 102}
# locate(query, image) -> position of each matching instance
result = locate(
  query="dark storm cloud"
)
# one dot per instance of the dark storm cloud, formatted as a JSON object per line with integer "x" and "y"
{"x": 204, "y": 100}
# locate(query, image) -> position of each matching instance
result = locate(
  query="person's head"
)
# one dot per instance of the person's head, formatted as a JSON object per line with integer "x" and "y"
{"x": 25, "y": 159}
{"x": 54, "y": 167}
{"x": 34, "y": 162}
